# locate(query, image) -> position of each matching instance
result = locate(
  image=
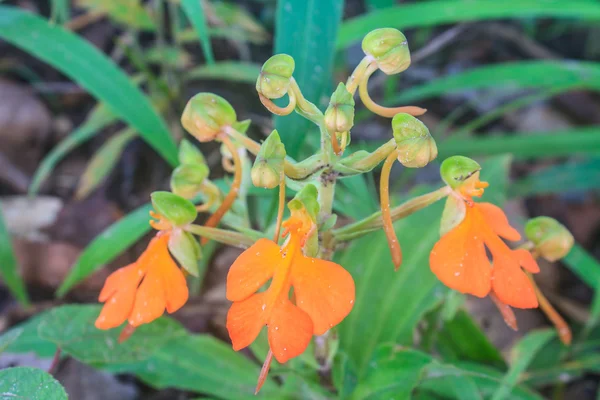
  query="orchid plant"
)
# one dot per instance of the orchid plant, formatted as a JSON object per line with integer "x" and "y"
{"x": 285, "y": 278}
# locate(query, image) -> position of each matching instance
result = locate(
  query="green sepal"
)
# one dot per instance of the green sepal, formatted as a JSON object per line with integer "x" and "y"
{"x": 329, "y": 223}
{"x": 177, "y": 210}
{"x": 457, "y": 169}
{"x": 552, "y": 239}
{"x": 268, "y": 166}
{"x": 187, "y": 179}
{"x": 339, "y": 116}
{"x": 190, "y": 154}
{"x": 389, "y": 48}
{"x": 416, "y": 147}
{"x": 206, "y": 114}
{"x": 454, "y": 213}
{"x": 242, "y": 126}
{"x": 306, "y": 198}
{"x": 275, "y": 76}
{"x": 186, "y": 250}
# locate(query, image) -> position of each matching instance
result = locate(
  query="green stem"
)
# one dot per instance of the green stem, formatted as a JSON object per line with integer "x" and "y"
{"x": 372, "y": 160}
{"x": 243, "y": 240}
{"x": 374, "y": 221}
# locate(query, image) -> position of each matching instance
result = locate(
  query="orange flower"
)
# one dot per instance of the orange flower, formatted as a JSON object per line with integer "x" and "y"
{"x": 323, "y": 292}
{"x": 460, "y": 261}
{"x": 140, "y": 292}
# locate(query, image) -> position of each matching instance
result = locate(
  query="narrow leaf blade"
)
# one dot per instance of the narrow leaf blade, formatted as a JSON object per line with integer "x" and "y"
{"x": 9, "y": 268}
{"x": 195, "y": 13}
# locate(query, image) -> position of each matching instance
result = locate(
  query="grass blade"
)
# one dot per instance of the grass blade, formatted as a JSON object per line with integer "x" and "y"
{"x": 98, "y": 119}
{"x": 306, "y": 30}
{"x": 195, "y": 13}
{"x": 233, "y": 71}
{"x": 103, "y": 162}
{"x": 87, "y": 66}
{"x": 582, "y": 264}
{"x": 107, "y": 246}
{"x": 9, "y": 269}
{"x": 431, "y": 13}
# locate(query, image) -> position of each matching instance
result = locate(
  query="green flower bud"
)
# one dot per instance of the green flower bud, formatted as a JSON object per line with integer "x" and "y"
{"x": 206, "y": 114}
{"x": 186, "y": 250}
{"x": 187, "y": 179}
{"x": 268, "y": 166}
{"x": 306, "y": 198}
{"x": 275, "y": 75}
{"x": 416, "y": 147}
{"x": 389, "y": 48}
{"x": 552, "y": 240}
{"x": 339, "y": 116}
{"x": 175, "y": 209}
{"x": 190, "y": 154}
{"x": 457, "y": 169}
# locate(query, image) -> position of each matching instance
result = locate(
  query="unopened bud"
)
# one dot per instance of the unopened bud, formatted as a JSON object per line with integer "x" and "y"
{"x": 552, "y": 240}
{"x": 187, "y": 179}
{"x": 206, "y": 114}
{"x": 416, "y": 147}
{"x": 186, "y": 250}
{"x": 190, "y": 154}
{"x": 389, "y": 48}
{"x": 175, "y": 209}
{"x": 456, "y": 170}
{"x": 339, "y": 116}
{"x": 268, "y": 166}
{"x": 275, "y": 76}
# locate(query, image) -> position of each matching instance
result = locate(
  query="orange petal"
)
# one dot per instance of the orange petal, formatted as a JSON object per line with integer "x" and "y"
{"x": 324, "y": 290}
{"x": 245, "y": 319}
{"x": 496, "y": 219}
{"x": 150, "y": 299}
{"x": 526, "y": 260}
{"x": 175, "y": 286}
{"x": 290, "y": 330}
{"x": 119, "y": 294}
{"x": 510, "y": 283}
{"x": 459, "y": 260}
{"x": 252, "y": 269}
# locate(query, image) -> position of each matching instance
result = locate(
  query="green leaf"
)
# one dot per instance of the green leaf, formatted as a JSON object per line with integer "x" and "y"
{"x": 9, "y": 338}
{"x": 582, "y": 264}
{"x": 306, "y": 30}
{"x": 71, "y": 328}
{"x": 202, "y": 364}
{"x": 568, "y": 177}
{"x": 28, "y": 340}
{"x": 90, "y": 68}
{"x": 400, "y": 298}
{"x": 98, "y": 119}
{"x": 127, "y": 12}
{"x": 510, "y": 76}
{"x": 9, "y": 268}
{"x": 107, "y": 246}
{"x": 376, "y": 4}
{"x": 431, "y": 13}
{"x": 234, "y": 71}
{"x": 26, "y": 383}
{"x": 458, "y": 382}
{"x": 103, "y": 162}
{"x": 521, "y": 356}
{"x": 195, "y": 13}
{"x": 353, "y": 197}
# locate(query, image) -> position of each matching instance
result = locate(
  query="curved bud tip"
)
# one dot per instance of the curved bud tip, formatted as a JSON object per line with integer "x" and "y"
{"x": 187, "y": 179}
{"x": 552, "y": 240}
{"x": 456, "y": 170}
{"x": 206, "y": 114}
{"x": 268, "y": 166}
{"x": 175, "y": 209}
{"x": 275, "y": 75}
{"x": 416, "y": 147}
{"x": 339, "y": 116}
{"x": 389, "y": 48}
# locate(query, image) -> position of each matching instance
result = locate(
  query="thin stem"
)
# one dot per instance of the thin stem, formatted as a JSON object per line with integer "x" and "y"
{"x": 275, "y": 109}
{"x": 264, "y": 371}
{"x": 372, "y": 160}
{"x": 506, "y": 311}
{"x": 386, "y": 214}
{"x": 242, "y": 240}
{"x": 233, "y": 191}
{"x": 564, "y": 332}
{"x": 127, "y": 331}
{"x": 280, "y": 207}
{"x": 388, "y": 112}
{"x": 357, "y": 75}
{"x": 375, "y": 221}
{"x": 55, "y": 360}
